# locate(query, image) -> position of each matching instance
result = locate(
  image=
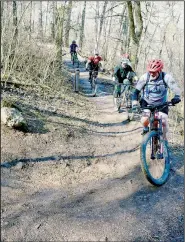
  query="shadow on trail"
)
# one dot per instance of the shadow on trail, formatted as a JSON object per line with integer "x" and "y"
{"x": 54, "y": 113}
{"x": 146, "y": 214}
{"x": 60, "y": 157}
{"x": 91, "y": 131}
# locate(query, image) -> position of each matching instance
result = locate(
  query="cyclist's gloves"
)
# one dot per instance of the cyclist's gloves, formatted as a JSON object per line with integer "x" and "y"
{"x": 176, "y": 99}
{"x": 135, "y": 108}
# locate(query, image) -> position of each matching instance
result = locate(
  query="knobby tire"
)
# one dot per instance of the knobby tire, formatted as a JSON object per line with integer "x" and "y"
{"x": 144, "y": 163}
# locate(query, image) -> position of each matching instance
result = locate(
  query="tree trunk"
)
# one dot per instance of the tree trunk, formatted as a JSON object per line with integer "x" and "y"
{"x": 108, "y": 35}
{"x": 59, "y": 31}
{"x": 82, "y": 26}
{"x": 40, "y": 21}
{"x": 53, "y": 22}
{"x": 78, "y": 24}
{"x": 135, "y": 30}
{"x": 30, "y": 20}
{"x": 15, "y": 35}
{"x": 102, "y": 20}
{"x": 127, "y": 35}
{"x": 96, "y": 26}
{"x": 33, "y": 22}
{"x": 68, "y": 24}
{"x": 46, "y": 20}
{"x": 15, "y": 18}
{"x": 122, "y": 31}
{"x": 2, "y": 27}
{"x": 2, "y": 8}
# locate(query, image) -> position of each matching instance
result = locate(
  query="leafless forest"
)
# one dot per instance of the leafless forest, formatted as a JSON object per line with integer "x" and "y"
{"x": 74, "y": 173}
{"x": 35, "y": 35}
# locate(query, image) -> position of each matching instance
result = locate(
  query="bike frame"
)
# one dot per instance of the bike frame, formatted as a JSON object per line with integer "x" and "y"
{"x": 125, "y": 89}
{"x": 74, "y": 56}
{"x": 156, "y": 124}
{"x": 155, "y": 121}
{"x": 94, "y": 76}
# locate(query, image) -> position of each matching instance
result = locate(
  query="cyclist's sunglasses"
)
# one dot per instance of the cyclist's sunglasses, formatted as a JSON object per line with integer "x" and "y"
{"x": 153, "y": 73}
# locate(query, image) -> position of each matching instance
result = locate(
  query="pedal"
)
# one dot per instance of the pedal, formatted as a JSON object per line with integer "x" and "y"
{"x": 160, "y": 156}
{"x": 152, "y": 157}
{"x": 129, "y": 106}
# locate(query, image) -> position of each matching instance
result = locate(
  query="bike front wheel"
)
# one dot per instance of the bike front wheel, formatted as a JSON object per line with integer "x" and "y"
{"x": 117, "y": 101}
{"x": 155, "y": 160}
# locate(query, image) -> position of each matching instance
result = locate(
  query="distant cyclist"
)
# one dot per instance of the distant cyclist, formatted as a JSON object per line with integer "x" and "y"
{"x": 123, "y": 74}
{"x": 93, "y": 63}
{"x": 73, "y": 48}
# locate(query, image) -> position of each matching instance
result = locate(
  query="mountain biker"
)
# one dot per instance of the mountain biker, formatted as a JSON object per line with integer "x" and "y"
{"x": 73, "y": 48}
{"x": 154, "y": 85}
{"x": 123, "y": 74}
{"x": 93, "y": 63}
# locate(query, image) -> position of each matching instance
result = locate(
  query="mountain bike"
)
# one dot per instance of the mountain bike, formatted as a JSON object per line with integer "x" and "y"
{"x": 124, "y": 98}
{"x": 154, "y": 151}
{"x": 74, "y": 59}
{"x": 93, "y": 81}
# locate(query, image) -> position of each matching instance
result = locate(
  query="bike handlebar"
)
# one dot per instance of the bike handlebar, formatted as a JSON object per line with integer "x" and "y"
{"x": 122, "y": 84}
{"x": 158, "y": 107}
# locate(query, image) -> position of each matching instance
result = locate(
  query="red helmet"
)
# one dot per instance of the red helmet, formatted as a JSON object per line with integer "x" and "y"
{"x": 126, "y": 56}
{"x": 155, "y": 65}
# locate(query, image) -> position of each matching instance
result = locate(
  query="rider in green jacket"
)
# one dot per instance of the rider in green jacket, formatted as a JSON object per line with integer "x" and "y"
{"x": 123, "y": 74}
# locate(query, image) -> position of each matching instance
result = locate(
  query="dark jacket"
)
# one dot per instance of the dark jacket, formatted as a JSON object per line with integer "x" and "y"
{"x": 121, "y": 73}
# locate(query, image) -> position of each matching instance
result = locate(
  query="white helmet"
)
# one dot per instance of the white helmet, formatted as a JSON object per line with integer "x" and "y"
{"x": 126, "y": 61}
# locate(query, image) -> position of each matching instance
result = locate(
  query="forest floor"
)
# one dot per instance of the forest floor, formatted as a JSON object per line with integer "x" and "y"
{"x": 76, "y": 176}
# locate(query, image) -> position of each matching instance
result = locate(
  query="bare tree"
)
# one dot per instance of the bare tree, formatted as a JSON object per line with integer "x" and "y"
{"x": 82, "y": 26}
{"x": 2, "y": 9}
{"x": 15, "y": 35}
{"x": 108, "y": 31}
{"x": 15, "y": 18}
{"x": 46, "y": 19}
{"x": 96, "y": 25}
{"x": 135, "y": 30}
{"x": 40, "y": 21}
{"x": 68, "y": 24}
{"x": 102, "y": 20}
{"x": 122, "y": 33}
{"x": 30, "y": 24}
{"x": 60, "y": 30}
{"x": 33, "y": 21}
{"x": 53, "y": 22}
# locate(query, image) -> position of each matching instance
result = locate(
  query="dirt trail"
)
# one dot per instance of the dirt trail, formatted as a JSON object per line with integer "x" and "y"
{"x": 89, "y": 187}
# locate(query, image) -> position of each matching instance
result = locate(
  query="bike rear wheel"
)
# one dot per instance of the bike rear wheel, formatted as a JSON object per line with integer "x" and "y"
{"x": 94, "y": 86}
{"x": 117, "y": 101}
{"x": 155, "y": 160}
{"x": 127, "y": 102}
{"x": 73, "y": 59}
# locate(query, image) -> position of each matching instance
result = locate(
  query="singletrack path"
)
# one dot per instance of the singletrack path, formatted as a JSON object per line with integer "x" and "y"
{"x": 106, "y": 197}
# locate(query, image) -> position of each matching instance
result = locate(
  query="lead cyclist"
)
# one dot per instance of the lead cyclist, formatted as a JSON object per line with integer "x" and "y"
{"x": 154, "y": 85}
